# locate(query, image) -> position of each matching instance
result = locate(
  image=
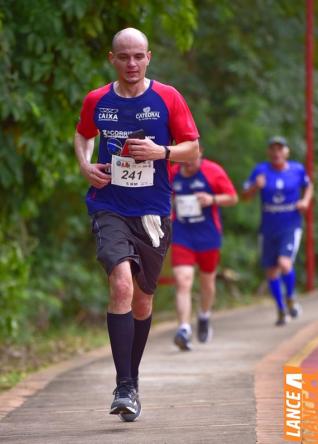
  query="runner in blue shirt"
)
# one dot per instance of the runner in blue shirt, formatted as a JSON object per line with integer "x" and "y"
{"x": 200, "y": 188}
{"x": 285, "y": 192}
{"x": 141, "y": 124}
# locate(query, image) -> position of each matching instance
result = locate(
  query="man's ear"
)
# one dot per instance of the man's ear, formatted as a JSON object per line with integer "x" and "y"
{"x": 149, "y": 54}
{"x": 111, "y": 57}
{"x": 286, "y": 151}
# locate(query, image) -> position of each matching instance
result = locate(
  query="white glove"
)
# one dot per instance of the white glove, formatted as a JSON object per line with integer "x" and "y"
{"x": 152, "y": 226}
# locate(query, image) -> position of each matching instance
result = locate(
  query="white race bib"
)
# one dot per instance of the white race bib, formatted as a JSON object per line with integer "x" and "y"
{"x": 187, "y": 205}
{"x": 127, "y": 173}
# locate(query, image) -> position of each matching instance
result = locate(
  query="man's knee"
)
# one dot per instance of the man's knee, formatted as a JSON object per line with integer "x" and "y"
{"x": 183, "y": 277}
{"x": 119, "y": 302}
{"x": 285, "y": 264}
{"x": 121, "y": 287}
{"x": 208, "y": 286}
{"x": 272, "y": 273}
{"x": 142, "y": 307}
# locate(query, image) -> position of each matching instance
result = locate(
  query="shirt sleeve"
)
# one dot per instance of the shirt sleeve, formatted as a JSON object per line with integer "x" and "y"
{"x": 173, "y": 171}
{"x": 181, "y": 123}
{"x": 217, "y": 178}
{"x": 251, "y": 179}
{"x": 223, "y": 184}
{"x": 86, "y": 126}
{"x": 304, "y": 178}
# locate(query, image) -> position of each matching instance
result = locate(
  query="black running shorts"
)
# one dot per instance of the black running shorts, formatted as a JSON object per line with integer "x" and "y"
{"x": 120, "y": 238}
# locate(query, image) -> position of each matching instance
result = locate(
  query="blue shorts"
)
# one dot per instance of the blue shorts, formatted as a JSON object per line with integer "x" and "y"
{"x": 282, "y": 244}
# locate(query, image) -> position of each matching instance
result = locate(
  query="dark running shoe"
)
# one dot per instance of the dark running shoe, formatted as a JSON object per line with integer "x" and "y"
{"x": 204, "y": 330}
{"x": 130, "y": 417}
{"x": 125, "y": 400}
{"x": 282, "y": 318}
{"x": 294, "y": 308}
{"x": 183, "y": 339}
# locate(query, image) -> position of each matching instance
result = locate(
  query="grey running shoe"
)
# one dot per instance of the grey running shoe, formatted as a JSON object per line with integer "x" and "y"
{"x": 204, "y": 330}
{"x": 282, "y": 318}
{"x": 294, "y": 308}
{"x": 130, "y": 417}
{"x": 125, "y": 400}
{"x": 183, "y": 339}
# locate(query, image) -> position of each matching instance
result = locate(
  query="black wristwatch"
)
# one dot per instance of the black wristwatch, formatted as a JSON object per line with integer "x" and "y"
{"x": 167, "y": 156}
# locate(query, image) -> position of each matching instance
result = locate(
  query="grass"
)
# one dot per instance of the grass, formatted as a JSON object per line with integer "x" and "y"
{"x": 57, "y": 344}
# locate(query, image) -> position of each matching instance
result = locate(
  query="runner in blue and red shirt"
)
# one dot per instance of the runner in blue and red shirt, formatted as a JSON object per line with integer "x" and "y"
{"x": 141, "y": 124}
{"x": 285, "y": 192}
{"x": 200, "y": 188}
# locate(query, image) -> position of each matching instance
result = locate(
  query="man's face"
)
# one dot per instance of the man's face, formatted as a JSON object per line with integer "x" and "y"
{"x": 278, "y": 154}
{"x": 130, "y": 59}
{"x": 190, "y": 168}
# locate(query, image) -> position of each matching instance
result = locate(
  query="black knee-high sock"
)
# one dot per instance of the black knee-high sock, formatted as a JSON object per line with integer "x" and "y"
{"x": 141, "y": 335}
{"x": 121, "y": 335}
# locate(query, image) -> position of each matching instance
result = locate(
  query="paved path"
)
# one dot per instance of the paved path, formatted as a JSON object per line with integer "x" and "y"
{"x": 214, "y": 394}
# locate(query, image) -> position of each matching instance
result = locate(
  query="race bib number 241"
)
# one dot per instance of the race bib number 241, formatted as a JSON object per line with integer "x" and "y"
{"x": 127, "y": 173}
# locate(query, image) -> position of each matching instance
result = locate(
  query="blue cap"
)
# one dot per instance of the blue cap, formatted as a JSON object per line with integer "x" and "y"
{"x": 279, "y": 140}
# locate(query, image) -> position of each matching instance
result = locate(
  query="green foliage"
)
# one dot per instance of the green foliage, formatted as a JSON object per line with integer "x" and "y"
{"x": 240, "y": 66}
{"x": 51, "y": 54}
{"x": 14, "y": 274}
{"x": 244, "y": 80}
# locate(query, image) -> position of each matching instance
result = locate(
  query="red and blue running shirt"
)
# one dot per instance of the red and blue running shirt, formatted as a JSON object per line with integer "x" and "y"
{"x": 204, "y": 232}
{"x": 164, "y": 116}
{"x": 283, "y": 188}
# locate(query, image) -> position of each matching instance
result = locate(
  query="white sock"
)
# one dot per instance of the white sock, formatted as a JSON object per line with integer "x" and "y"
{"x": 186, "y": 326}
{"x": 204, "y": 314}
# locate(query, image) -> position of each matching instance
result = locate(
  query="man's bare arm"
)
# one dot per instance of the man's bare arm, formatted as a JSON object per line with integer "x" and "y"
{"x": 304, "y": 202}
{"x": 250, "y": 192}
{"x": 146, "y": 149}
{"x": 93, "y": 172}
{"x": 84, "y": 148}
{"x": 184, "y": 151}
{"x": 221, "y": 200}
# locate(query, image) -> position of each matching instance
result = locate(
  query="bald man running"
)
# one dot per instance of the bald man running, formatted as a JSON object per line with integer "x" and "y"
{"x": 142, "y": 124}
